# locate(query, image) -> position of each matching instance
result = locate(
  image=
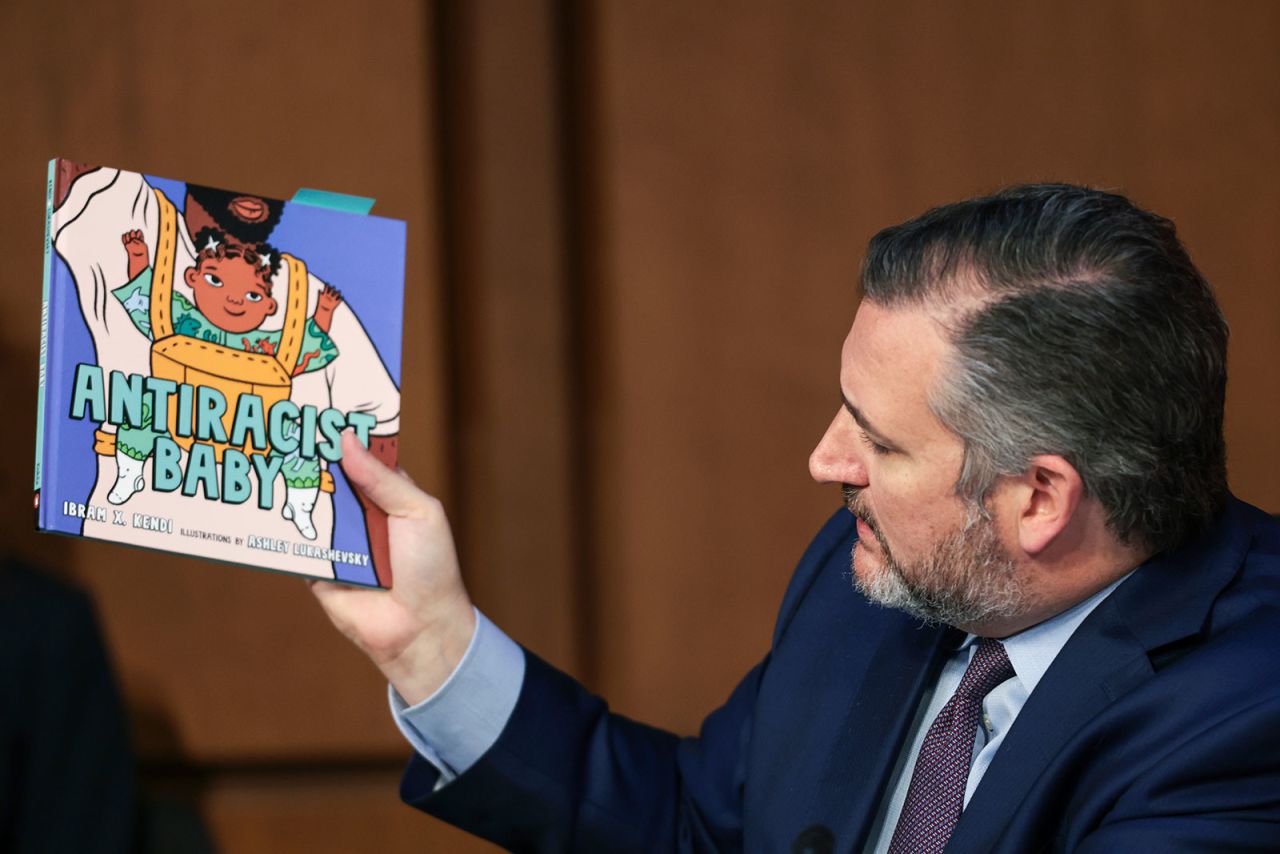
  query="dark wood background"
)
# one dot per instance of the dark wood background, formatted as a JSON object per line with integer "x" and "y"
{"x": 634, "y": 235}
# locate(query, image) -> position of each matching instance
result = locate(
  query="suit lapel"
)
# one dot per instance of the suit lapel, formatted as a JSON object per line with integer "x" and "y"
{"x": 905, "y": 663}
{"x": 1165, "y": 601}
{"x": 1094, "y": 668}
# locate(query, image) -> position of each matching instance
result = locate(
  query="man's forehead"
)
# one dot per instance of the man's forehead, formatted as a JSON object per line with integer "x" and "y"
{"x": 889, "y": 363}
{"x": 893, "y": 341}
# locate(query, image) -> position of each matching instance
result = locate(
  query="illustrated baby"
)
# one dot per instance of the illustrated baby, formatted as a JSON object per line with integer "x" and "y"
{"x": 231, "y": 286}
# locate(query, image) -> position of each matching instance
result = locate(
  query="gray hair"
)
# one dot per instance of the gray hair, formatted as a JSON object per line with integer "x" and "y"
{"x": 1079, "y": 327}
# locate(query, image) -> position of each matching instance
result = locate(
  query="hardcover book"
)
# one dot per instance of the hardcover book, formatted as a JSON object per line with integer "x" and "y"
{"x": 201, "y": 353}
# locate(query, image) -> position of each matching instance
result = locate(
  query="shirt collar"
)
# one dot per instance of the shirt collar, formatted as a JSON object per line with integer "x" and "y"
{"x": 1032, "y": 650}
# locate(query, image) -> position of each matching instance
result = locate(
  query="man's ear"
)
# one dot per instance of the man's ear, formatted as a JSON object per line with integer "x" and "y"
{"x": 1047, "y": 495}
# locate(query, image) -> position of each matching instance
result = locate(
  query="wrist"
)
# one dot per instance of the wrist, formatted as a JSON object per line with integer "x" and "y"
{"x": 427, "y": 662}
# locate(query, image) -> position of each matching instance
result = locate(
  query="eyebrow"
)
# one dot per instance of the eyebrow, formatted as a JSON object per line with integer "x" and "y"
{"x": 864, "y": 423}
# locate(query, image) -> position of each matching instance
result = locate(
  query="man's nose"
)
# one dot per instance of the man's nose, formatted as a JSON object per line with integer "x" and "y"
{"x": 837, "y": 458}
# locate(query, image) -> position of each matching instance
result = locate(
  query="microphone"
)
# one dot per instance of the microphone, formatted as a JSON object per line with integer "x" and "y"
{"x": 815, "y": 839}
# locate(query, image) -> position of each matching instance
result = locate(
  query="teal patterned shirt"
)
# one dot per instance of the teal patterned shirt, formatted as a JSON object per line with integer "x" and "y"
{"x": 317, "y": 351}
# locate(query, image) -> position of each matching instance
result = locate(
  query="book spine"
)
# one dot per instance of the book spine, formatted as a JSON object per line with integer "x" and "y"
{"x": 44, "y": 338}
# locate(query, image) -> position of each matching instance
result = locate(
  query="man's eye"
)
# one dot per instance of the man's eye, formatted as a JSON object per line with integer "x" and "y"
{"x": 876, "y": 447}
{"x": 253, "y": 296}
{"x": 213, "y": 280}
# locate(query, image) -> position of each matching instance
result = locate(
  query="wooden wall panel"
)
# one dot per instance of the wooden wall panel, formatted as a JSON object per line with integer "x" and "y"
{"x": 653, "y": 216}
{"x": 301, "y": 813}
{"x": 225, "y": 668}
{"x": 223, "y": 663}
{"x": 746, "y": 158}
{"x": 505, "y": 250}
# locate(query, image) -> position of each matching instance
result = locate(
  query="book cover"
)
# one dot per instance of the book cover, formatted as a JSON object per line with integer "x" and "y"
{"x": 201, "y": 352}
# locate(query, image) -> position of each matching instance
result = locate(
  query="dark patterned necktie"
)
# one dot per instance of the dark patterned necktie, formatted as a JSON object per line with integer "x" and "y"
{"x": 936, "y": 795}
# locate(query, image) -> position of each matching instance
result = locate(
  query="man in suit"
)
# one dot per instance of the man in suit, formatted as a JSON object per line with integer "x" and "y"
{"x": 67, "y": 777}
{"x": 1060, "y": 632}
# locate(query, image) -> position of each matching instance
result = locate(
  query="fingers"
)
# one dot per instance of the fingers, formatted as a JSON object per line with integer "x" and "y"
{"x": 324, "y": 591}
{"x": 317, "y": 588}
{"x": 390, "y": 490}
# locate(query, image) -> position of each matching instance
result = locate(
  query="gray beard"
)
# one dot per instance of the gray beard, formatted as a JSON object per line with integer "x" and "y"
{"x": 967, "y": 579}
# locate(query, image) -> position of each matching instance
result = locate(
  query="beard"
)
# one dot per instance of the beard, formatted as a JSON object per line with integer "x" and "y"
{"x": 217, "y": 203}
{"x": 967, "y": 578}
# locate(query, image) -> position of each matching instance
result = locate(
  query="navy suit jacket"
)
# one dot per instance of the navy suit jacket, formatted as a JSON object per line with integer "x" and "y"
{"x": 1156, "y": 729}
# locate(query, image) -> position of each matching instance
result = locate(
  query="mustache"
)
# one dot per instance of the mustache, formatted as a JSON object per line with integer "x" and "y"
{"x": 857, "y": 505}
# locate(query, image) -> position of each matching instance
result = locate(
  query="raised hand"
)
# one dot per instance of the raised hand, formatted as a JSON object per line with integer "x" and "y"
{"x": 135, "y": 246}
{"x": 416, "y": 632}
{"x": 330, "y": 298}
